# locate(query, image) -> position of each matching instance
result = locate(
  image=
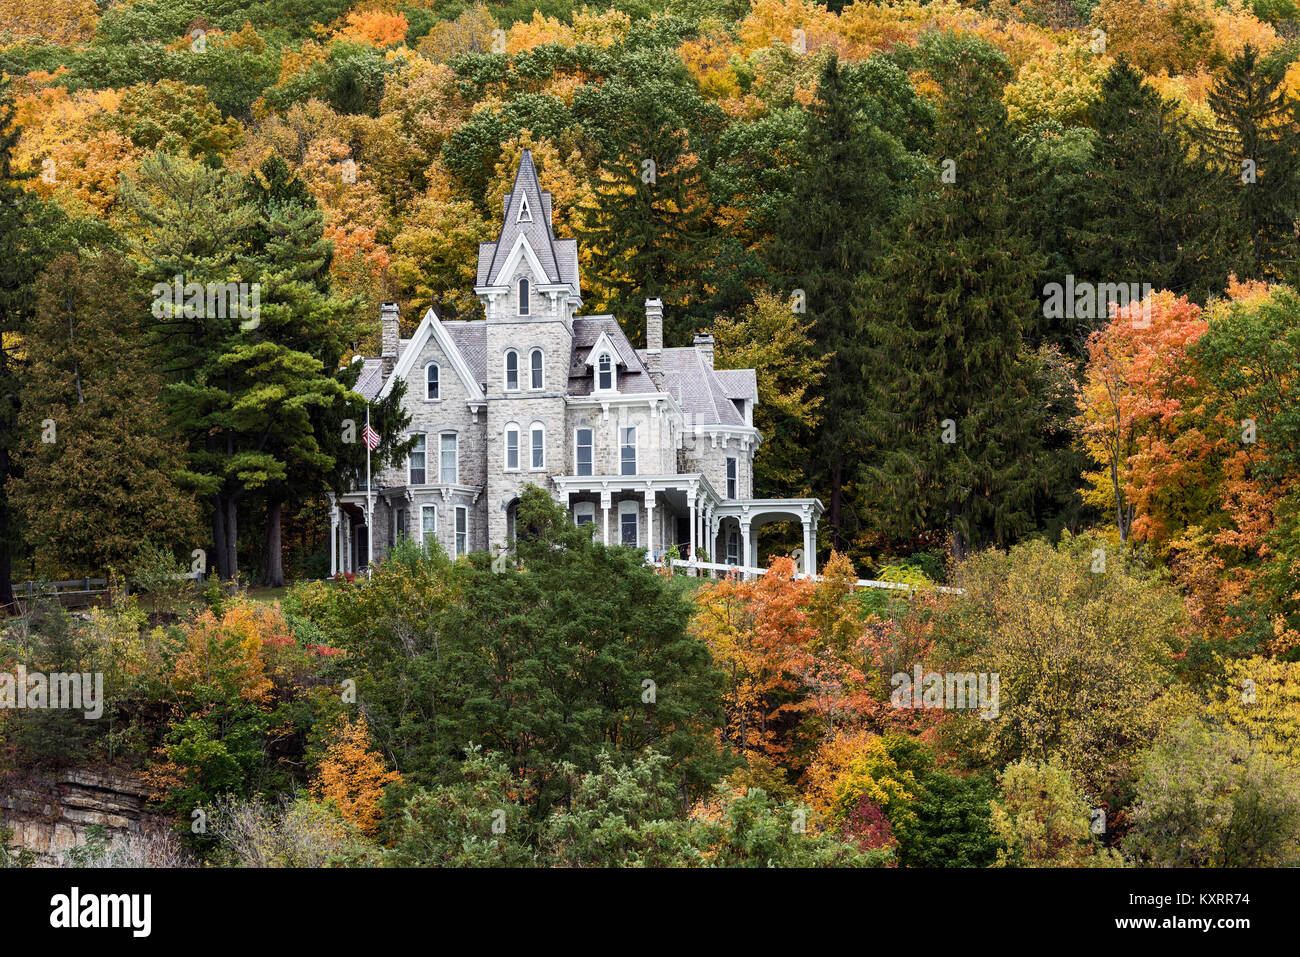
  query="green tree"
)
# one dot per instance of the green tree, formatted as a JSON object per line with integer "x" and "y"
{"x": 950, "y": 420}
{"x": 1153, "y": 210}
{"x": 100, "y": 466}
{"x": 1207, "y": 798}
{"x": 845, "y": 187}
{"x": 1044, "y": 821}
{"x": 1253, "y": 141}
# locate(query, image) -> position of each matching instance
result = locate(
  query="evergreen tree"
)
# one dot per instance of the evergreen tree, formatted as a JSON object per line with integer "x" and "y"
{"x": 28, "y": 237}
{"x": 296, "y": 349}
{"x": 647, "y": 229}
{"x": 102, "y": 479}
{"x": 845, "y": 188}
{"x": 952, "y": 389}
{"x": 1254, "y": 141}
{"x": 1152, "y": 212}
{"x": 188, "y": 229}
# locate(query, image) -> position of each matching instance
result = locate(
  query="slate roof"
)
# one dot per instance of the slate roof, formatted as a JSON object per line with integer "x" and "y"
{"x": 633, "y": 376}
{"x": 559, "y": 257}
{"x": 698, "y": 389}
{"x": 739, "y": 383}
{"x": 471, "y": 341}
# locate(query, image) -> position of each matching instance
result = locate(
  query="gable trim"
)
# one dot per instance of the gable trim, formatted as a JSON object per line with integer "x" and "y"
{"x": 430, "y": 326}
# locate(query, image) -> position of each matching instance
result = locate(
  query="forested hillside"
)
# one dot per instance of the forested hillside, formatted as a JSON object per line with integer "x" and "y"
{"x": 1019, "y": 283}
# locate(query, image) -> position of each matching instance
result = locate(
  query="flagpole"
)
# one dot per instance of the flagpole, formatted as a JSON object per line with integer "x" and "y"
{"x": 370, "y": 504}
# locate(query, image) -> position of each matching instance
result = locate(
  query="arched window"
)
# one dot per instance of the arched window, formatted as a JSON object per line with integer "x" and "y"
{"x": 605, "y": 373}
{"x": 431, "y": 383}
{"x": 512, "y": 370}
{"x": 523, "y": 297}
{"x": 512, "y": 447}
{"x": 537, "y": 446}
{"x": 535, "y": 366}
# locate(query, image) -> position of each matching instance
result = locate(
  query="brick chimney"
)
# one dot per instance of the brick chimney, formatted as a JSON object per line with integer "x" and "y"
{"x": 704, "y": 346}
{"x": 388, "y": 339}
{"x": 654, "y": 340}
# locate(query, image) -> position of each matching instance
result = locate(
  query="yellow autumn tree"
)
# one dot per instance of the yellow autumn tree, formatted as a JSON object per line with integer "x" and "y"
{"x": 59, "y": 21}
{"x": 376, "y": 28}
{"x": 1260, "y": 697}
{"x": 353, "y": 775}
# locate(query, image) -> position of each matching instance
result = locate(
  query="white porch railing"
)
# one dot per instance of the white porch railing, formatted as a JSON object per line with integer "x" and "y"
{"x": 751, "y": 570}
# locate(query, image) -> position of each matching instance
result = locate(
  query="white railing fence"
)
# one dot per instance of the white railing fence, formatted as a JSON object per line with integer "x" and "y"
{"x": 748, "y": 570}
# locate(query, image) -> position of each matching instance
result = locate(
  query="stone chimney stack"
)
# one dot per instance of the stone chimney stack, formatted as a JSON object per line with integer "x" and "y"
{"x": 654, "y": 340}
{"x": 704, "y": 346}
{"x": 389, "y": 338}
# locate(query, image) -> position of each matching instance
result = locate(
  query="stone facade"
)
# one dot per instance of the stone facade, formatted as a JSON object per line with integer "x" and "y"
{"x": 538, "y": 394}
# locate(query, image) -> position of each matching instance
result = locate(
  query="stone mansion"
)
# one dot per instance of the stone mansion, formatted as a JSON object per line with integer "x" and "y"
{"x": 652, "y": 447}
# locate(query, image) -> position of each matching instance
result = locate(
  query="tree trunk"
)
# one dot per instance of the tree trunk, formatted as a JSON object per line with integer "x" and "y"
{"x": 274, "y": 549}
{"x": 837, "y": 484}
{"x": 220, "y": 563}
{"x": 6, "y": 573}
{"x": 232, "y": 535}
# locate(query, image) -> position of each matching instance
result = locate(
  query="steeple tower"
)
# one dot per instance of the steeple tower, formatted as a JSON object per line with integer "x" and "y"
{"x": 527, "y": 271}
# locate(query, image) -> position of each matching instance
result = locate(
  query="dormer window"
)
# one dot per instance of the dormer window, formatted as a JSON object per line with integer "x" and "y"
{"x": 525, "y": 214}
{"x": 431, "y": 383}
{"x": 523, "y": 297}
{"x": 605, "y": 373}
{"x": 512, "y": 370}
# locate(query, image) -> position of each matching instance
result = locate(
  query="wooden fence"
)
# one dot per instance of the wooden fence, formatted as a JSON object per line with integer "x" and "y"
{"x": 76, "y": 592}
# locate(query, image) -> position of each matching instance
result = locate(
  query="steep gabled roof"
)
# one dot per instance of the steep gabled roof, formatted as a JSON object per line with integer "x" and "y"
{"x": 527, "y": 211}
{"x": 633, "y": 376}
{"x": 698, "y": 389}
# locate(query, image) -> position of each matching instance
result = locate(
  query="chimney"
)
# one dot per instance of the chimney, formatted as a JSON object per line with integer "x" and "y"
{"x": 388, "y": 339}
{"x": 654, "y": 340}
{"x": 704, "y": 346}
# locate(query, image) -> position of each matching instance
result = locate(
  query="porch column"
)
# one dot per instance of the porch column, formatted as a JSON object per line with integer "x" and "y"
{"x": 695, "y": 518}
{"x": 347, "y": 545}
{"x": 744, "y": 544}
{"x": 809, "y": 547}
{"x": 812, "y": 552}
{"x": 604, "y": 511}
{"x": 334, "y": 537}
{"x": 650, "y": 524}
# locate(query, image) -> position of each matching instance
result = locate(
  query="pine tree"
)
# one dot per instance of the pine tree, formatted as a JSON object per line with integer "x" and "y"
{"x": 103, "y": 479}
{"x": 952, "y": 389}
{"x": 826, "y": 236}
{"x": 188, "y": 226}
{"x": 295, "y": 350}
{"x": 1254, "y": 141}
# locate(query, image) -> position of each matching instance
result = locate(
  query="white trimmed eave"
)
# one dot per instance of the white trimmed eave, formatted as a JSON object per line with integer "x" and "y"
{"x": 640, "y": 483}
{"x": 604, "y": 400}
{"x": 430, "y": 325}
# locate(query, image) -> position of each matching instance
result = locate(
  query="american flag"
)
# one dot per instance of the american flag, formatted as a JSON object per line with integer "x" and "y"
{"x": 370, "y": 437}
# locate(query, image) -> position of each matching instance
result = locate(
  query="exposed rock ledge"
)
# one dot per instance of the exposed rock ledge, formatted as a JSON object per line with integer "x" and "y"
{"x": 50, "y": 811}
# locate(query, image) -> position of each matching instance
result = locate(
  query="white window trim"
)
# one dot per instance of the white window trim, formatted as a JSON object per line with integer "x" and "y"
{"x": 636, "y": 452}
{"x": 535, "y": 427}
{"x": 423, "y": 509}
{"x": 456, "y": 477}
{"x": 535, "y": 352}
{"x": 626, "y": 508}
{"x": 733, "y": 483}
{"x": 613, "y": 374}
{"x": 505, "y": 447}
{"x": 409, "y": 480}
{"x": 427, "y": 367}
{"x": 523, "y": 296}
{"x": 577, "y": 469}
{"x": 455, "y": 544}
{"x": 505, "y": 369}
{"x": 584, "y": 508}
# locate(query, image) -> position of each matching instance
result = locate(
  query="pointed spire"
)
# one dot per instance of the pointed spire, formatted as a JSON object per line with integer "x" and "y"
{"x": 527, "y": 215}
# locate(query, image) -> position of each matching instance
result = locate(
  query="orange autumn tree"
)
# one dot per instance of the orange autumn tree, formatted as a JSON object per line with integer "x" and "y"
{"x": 376, "y": 28}
{"x": 352, "y": 775}
{"x": 790, "y": 660}
{"x": 1132, "y": 415}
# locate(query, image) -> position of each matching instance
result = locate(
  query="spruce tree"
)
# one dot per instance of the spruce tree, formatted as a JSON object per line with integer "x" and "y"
{"x": 1152, "y": 211}
{"x": 1254, "y": 141}
{"x": 826, "y": 235}
{"x": 951, "y": 427}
